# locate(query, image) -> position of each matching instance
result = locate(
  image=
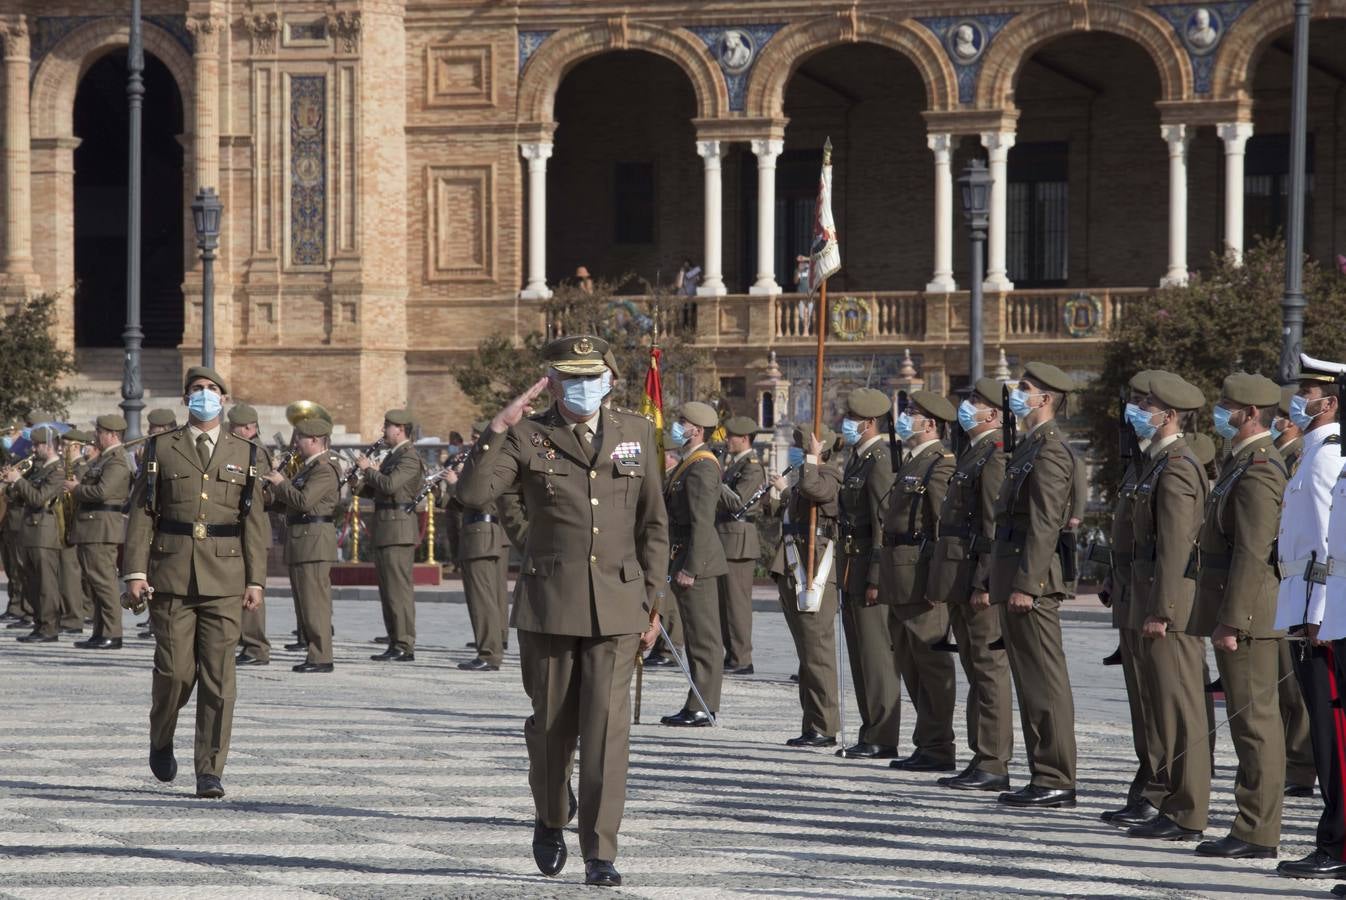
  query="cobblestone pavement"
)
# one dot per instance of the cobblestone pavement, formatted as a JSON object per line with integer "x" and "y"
{"x": 410, "y": 781}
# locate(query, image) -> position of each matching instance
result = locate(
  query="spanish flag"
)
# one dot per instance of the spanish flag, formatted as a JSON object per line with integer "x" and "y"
{"x": 652, "y": 403}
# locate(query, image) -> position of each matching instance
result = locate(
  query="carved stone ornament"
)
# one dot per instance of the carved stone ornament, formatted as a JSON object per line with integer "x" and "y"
{"x": 263, "y": 29}
{"x": 345, "y": 26}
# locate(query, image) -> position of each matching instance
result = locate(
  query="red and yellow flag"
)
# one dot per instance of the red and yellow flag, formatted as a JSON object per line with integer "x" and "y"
{"x": 652, "y": 403}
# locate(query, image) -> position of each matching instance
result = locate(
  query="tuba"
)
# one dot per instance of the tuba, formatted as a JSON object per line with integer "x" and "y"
{"x": 295, "y": 413}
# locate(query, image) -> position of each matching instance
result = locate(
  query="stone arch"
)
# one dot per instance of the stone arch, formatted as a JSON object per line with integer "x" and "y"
{"x": 1026, "y": 33}
{"x": 562, "y": 51}
{"x": 1249, "y": 36}
{"x": 796, "y": 43}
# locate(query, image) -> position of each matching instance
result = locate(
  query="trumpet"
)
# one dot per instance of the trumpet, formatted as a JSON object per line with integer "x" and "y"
{"x": 289, "y": 456}
{"x": 22, "y": 465}
{"x": 353, "y": 476}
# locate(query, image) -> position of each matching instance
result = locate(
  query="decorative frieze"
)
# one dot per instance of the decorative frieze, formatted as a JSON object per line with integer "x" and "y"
{"x": 308, "y": 170}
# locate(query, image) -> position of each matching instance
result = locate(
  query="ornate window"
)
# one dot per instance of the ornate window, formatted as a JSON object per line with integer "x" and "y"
{"x": 1037, "y": 245}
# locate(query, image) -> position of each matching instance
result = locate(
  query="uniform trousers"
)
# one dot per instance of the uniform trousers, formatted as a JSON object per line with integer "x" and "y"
{"x": 252, "y": 633}
{"x": 42, "y": 582}
{"x": 927, "y": 674}
{"x": 11, "y": 557}
{"x": 815, "y": 640}
{"x": 699, "y": 608}
{"x": 99, "y": 564}
{"x": 312, "y": 585}
{"x": 484, "y": 581}
{"x": 74, "y": 597}
{"x": 869, "y": 646}
{"x": 1259, "y": 738}
{"x": 580, "y": 688}
{"x": 1318, "y": 669}
{"x": 1299, "y": 767}
{"x": 1145, "y": 785}
{"x": 990, "y": 732}
{"x": 736, "y": 612}
{"x": 1172, "y": 673}
{"x": 1042, "y": 684}
{"x": 397, "y": 596}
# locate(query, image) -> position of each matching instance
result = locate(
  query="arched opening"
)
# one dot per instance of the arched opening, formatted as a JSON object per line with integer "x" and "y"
{"x": 101, "y": 122}
{"x": 625, "y": 183}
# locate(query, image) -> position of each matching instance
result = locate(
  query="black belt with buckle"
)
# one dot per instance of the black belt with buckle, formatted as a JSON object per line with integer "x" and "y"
{"x": 100, "y": 507}
{"x": 898, "y": 539}
{"x": 307, "y": 520}
{"x": 474, "y": 518}
{"x": 961, "y": 532}
{"x": 199, "y": 530}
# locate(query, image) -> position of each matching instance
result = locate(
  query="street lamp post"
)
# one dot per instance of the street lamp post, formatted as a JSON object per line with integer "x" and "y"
{"x": 133, "y": 390}
{"x": 206, "y": 212}
{"x": 975, "y": 186}
{"x": 1293, "y": 302}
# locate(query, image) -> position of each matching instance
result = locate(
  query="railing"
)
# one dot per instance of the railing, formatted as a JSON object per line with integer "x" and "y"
{"x": 853, "y": 317}
{"x": 1073, "y": 314}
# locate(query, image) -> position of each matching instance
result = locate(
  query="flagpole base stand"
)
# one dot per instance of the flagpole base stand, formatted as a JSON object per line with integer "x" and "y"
{"x": 809, "y": 601}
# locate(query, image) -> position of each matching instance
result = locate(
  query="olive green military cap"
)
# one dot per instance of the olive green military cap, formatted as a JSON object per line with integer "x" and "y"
{"x": 741, "y": 426}
{"x": 242, "y": 414}
{"x": 161, "y": 417}
{"x": 698, "y": 413}
{"x": 580, "y": 354}
{"x": 1203, "y": 448}
{"x": 935, "y": 404}
{"x": 1050, "y": 376}
{"x": 1286, "y": 393}
{"x": 196, "y": 372}
{"x": 829, "y": 438}
{"x": 1176, "y": 393}
{"x": 1247, "y": 389}
{"x": 313, "y": 427}
{"x": 77, "y": 436}
{"x": 111, "y": 422}
{"x": 399, "y": 417}
{"x": 37, "y": 417}
{"x": 43, "y": 435}
{"x": 481, "y": 425}
{"x": 1140, "y": 382}
{"x": 610, "y": 360}
{"x": 868, "y": 403}
{"x": 990, "y": 390}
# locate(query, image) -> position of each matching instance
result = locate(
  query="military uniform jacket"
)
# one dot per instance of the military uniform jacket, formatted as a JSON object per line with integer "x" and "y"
{"x": 480, "y": 539}
{"x": 867, "y": 481}
{"x": 1166, "y": 517}
{"x": 1032, "y": 507}
{"x": 819, "y": 484}
{"x": 101, "y": 499}
{"x": 394, "y": 486}
{"x": 962, "y": 554}
{"x": 744, "y": 475}
{"x": 1237, "y": 580}
{"x": 911, "y": 522}
{"x": 1291, "y": 452}
{"x": 36, "y": 494}
{"x": 1125, "y": 612}
{"x": 308, "y": 499}
{"x": 194, "y": 498}
{"x": 513, "y": 518}
{"x": 597, "y": 539}
{"x": 693, "y": 496}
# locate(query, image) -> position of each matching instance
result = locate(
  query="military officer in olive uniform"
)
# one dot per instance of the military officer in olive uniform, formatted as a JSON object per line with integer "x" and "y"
{"x": 309, "y": 501}
{"x": 1027, "y": 584}
{"x": 394, "y": 484}
{"x": 255, "y": 645}
{"x": 867, "y": 480}
{"x": 100, "y": 496}
{"x": 743, "y": 475}
{"x": 483, "y": 557}
{"x": 1166, "y": 523}
{"x": 1236, "y": 608}
{"x": 40, "y": 541}
{"x": 17, "y": 612}
{"x": 961, "y": 562}
{"x": 696, "y": 558}
{"x": 593, "y": 574}
{"x": 198, "y": 536}
{"x": 76, "y": 605}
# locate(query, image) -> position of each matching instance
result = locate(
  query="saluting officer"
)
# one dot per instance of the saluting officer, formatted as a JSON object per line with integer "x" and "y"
{"x": 1166, "y": 523}
{"x": 1027, "y": 583}
{"x": 588, "y": 595}
{"x": 866, "y": 483}
{"x": 696, "y": 558}
{"x": 394, "y": 484}
{"x": 256, "y": 646}
{"x": 198, "y": 535}
{"x": 309, "y": 500}
{"x": 1236, "y": 608}
{"x": 100, "y": 495}
{"x": 743, "y": 476}
{"x": 35, "y": 494}
{"x": 961, "y": 563}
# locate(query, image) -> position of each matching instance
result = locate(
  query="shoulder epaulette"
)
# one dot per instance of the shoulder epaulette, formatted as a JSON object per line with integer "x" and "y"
{"x": 1332, "y": 439}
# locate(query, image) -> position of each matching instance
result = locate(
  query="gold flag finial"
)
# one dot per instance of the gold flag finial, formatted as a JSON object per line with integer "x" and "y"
{"x": 827, "y": 152}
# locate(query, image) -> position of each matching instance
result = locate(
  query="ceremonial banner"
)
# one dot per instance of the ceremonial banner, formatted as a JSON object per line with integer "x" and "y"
{"x": 825, "y": 253}
{"x": 652, "y": 403}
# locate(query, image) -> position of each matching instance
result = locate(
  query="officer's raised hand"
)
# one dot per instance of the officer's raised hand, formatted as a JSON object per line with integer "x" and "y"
{"x": 513, "y": 414}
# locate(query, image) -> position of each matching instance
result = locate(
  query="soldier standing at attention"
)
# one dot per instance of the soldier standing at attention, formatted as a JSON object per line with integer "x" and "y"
{"x": 962, "y": 560}
{"x": 696, "y": 558}
{"x": 394, "y": 484}
{"x": 588, "y": 596}
{"x": 100, "y": 529}
{"x": 310, "y": 501}
{"x": 256, "y": 647}
{"x": 17, "y": 612}
{"x": 1027, "y": 583}
{"x": 743, "y": 475}
{"x": 198, "y": 536}
{"x": 76, "y": 605}
{"x": 483, "y": 558}
{"x": 866, "y": 482}
{"x": 35, "y": 494}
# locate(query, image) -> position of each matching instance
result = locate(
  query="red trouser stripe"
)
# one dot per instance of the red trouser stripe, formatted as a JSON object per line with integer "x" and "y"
{"x": 1339, "y": 721}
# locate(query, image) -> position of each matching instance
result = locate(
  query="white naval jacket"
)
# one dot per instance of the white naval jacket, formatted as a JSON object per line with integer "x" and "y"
{"x": 1304, "y": 529}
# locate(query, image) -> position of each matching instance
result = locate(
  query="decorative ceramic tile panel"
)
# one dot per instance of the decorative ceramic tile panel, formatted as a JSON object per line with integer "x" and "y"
{"x": 529, "y": 41}
{"x": 1201, "y": 28}
{"x": 736, "y": 48}
{"x": 965, "y": 40}
{"x": 308, "y": 170}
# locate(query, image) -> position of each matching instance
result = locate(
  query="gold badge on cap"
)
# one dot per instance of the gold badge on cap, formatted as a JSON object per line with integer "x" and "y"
{"x": 583, "y": 347}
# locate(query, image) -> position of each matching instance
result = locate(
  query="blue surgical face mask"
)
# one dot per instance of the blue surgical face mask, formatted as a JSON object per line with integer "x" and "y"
{"x": 1018, "y": 403}
{"x": 1299, "y": 411}
{"x": 1223, "y": 427}
{"x": 967, "y": 415}
{"x": 796, "y": 456}
{"x": 6, "y": 442}
{"x": 1140, "y": 423}
{"x": 204, "y": 405}
{"x": 850, "y": 432}
{"x": 583, "y": 396}
{"x": 1276, "y": 432}
{"x": 904, "y": 426}
{"x": 677, "y": 435}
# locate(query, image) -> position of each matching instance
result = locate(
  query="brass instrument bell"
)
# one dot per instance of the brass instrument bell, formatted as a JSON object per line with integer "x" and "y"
{"x": 300, "y": 410}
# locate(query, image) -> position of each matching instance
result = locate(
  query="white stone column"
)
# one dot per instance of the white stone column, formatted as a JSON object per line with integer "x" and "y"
{"x": 942, "y": 282}
{"x": 997, "y": 144}
{"x": 1178, "y": 137}
{"x": 537, "y": 155}
{"x": 712, "y": 267}
{"x": 766, "y": 151}
{"x": 1235, "y": 136}
{"x": 17, "y": 154}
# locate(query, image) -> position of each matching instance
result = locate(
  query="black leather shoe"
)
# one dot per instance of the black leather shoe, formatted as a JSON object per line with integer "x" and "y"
{"x": 9, "y": 617}
{"x": 977, "y": 780}
{"x": 549, "y": 850}
{"x": 1216, "y": 686}
{"x": 72, "y": 631}
{"x": 20, "y": 623}
{"x": 147, "y": 635}
{"x": 795, "y": 678}
{"x": 741, "y": 670}
{"x": 393, "y": 654}
{"x": 1114, "y": 658}
{"x": 163, "y": 764}
{"x": 863, "y": 750}
{"x": 1132, "y": 814}
{"x": 1298, "y": 790}
{"x": 244, "y": 659}
{"x": 574, "y": 805}
{"x": 601, "y": 873}
{"x": 658, "y": 661}
{"x": 685, "y": 718}
{"x": 478, "y": 665}
{"x": 1036, "y": 797}
{"x": 100, "y": 643}
{"x": 297, "y": 645}
{"x": 209, "y": 787}
{"x": 811, "y": 738}
{"x": 36, "y": 637}
{"x": 312, "y": 667}
{"x": 1233, "y": 848}
{"x": 1318, "y": 864}
{"x": 1162, "y": 828}
{"x": 922, "y": 762}
{"x": 471, "y": 645}
{"x": 382, "y": 639}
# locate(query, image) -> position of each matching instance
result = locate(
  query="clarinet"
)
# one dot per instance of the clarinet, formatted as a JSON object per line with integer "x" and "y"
{"x": 353, "y": 476}
{"x": 756, "y": 495}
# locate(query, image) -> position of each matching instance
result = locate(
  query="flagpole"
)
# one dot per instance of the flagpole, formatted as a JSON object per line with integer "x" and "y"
{"x": 820, "y": 329}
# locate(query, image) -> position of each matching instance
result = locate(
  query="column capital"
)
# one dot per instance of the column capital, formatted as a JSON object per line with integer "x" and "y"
{"x": 997, "y": 142}
{"x": 710, "y": 150}
{"x": 1178, "y": 137}
{"x": 206, "y": 30}
{"x": 532, "y": 150}
{"x": 767, "y": 147}
{"x": 1235, "y": 135}
{"x": 942, "y": 143}
{"x": 15, "y": 33}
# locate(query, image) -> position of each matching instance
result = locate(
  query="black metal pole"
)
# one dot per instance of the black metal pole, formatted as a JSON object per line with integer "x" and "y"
{"x": 1293, "y": 302}
{"x": 133, "y": 391}
{"x": 974, "y": 325}
{"x": 208, "y": 306}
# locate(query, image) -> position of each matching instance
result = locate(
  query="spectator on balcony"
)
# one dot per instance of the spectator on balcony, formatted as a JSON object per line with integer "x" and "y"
{"x": 584, "y": 281}
{"x": 689, "y": 277}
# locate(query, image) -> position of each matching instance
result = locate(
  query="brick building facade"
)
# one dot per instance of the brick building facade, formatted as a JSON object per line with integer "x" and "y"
{"x": 403, "y": 177}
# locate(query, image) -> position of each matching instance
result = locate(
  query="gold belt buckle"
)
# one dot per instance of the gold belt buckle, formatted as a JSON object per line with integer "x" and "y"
{"x": 199, "y": 530}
